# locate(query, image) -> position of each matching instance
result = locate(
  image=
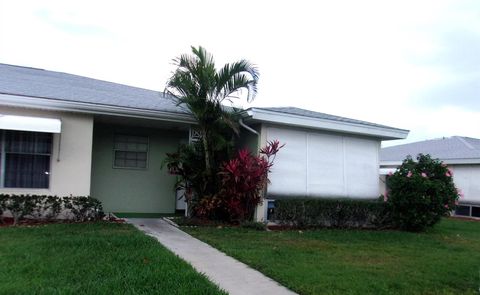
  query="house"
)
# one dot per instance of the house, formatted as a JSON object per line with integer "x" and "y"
{"x": 461, "y": 154}
{"x": 63, "y": 134}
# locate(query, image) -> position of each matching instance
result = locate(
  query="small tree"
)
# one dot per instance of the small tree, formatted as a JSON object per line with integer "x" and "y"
{"x": 420, "y": 193}
{"x": 202, "y": 88}
{"x": 243, "y": 180}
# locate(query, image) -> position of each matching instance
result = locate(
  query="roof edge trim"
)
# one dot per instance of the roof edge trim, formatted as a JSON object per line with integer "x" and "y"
{"x": 89, "y": 108}
{"x": 385, "y": 133}
{"x": 463, "y": 161}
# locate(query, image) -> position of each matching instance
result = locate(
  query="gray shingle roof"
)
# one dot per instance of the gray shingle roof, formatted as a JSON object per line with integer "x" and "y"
{"x": 318, "y": 115}
{"x": 25, "y": 81}
{"x": 449, "y": 148}
{"x": 32, "y": 82}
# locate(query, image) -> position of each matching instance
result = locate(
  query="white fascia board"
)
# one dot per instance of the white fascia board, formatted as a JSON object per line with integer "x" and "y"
{"x": 473, "y": 161}
{"x": 89, "y": 108}
{"x": 462, "y": 161}
{"x": 26, "y": 123}
{"x": 325, "y": 124}
{"x": 390, "y": 163}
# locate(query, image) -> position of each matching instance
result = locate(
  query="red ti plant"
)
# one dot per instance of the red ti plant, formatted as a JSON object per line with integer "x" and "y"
{"x": 242, "y": 181}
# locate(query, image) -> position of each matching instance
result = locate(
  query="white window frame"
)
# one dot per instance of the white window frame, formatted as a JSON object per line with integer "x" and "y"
{"x": 3, "y": 157}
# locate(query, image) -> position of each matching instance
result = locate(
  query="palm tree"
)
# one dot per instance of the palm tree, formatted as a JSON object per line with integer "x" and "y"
{"x": 198, "y": 85}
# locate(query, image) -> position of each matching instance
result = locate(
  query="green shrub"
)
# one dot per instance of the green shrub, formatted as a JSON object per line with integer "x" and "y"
{"x": 19, "y": 206}
{"x": 50, "y": 207}
{"x": 420, "y": 193}
{"x": 332, "y": 213}
{"x": 84, "y": 208}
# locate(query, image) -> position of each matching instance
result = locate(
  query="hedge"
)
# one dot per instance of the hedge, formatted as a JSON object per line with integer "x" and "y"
{"x": 332, "y": 213}
{"x": 50, "y": 207}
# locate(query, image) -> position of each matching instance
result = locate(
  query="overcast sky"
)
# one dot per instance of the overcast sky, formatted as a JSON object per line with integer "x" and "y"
{"x": 408, "y": 64}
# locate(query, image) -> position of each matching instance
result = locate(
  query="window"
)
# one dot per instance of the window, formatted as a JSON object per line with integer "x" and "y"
{"x": 25, "y": 159}
{"x": 130, "y": 151}
{"x": 468, "y": 210}
{"x": 475, "y": 211}
{"x": 462, "y": 210}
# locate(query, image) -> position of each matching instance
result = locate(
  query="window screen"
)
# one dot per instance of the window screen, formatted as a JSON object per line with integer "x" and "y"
{"x": 130, "y": 151}
{"x": 26, "y": 158}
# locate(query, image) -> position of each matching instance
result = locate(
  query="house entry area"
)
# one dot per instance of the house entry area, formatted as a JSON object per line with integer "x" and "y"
{"x": 127, "y": 173}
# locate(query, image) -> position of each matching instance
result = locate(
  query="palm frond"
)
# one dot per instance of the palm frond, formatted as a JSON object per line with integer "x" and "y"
{"x": 234, "y": 77}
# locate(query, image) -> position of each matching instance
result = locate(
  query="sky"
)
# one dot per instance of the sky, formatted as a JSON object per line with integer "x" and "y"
{"x": 408, "y": 64}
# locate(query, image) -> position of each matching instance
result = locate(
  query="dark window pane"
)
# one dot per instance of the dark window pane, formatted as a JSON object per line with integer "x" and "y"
{"x": 28, "y": 142}
{"x": 119, "y": 163}
{"x": 27, "y": 171}
{"x": 131, "y": 146}
{"x": 475, "y": 211}
{"x": 131, "y": 163}
{"x": 131, "y": 156}
{"x": 142, "y": 147}
{"x": 462, "y": 210}
{"x": 142, "y": 164}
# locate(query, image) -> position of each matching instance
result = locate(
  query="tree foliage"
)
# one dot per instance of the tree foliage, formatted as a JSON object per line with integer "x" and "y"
{"x": 421, "y": 192}
{"x": 200, "y": 87}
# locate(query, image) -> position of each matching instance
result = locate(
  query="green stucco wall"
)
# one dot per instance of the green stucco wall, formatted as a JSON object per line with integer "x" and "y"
{"x": 249, "y": 140}
{"x": 147, "y": 190}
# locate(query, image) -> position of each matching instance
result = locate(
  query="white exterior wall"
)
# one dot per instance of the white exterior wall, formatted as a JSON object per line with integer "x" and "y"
{"x": 70, "y": 167}
{"x": 467, "y": 179}
{"x": 320, "y": 164}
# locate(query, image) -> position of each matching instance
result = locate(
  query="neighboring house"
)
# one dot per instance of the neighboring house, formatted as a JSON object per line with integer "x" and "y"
{"x": 63, "y": 134}
{"x": 461, "y": 154}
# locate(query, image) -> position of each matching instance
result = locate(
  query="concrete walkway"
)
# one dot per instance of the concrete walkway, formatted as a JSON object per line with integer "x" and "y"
{"x": 228, "y": 273}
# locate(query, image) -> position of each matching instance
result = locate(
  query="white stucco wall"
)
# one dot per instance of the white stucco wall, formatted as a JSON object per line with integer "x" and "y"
{"x": 467, "y": 179}
{"x": 321, "y": 164}
{"x": 71, "y": 160}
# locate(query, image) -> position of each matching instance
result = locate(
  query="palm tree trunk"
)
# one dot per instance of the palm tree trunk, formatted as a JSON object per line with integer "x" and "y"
{"x": 206, "y": 148}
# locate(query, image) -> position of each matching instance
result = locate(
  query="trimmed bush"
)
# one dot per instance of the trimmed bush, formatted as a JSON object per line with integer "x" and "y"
{"x": 50, "y": 207}
{"x": 332, "y": 213}
{"x": 83, "y": 208}
{"x": 420, "y": 192}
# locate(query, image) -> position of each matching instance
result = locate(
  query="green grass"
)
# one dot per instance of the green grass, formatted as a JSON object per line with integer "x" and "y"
{"x": 444, "y": 260}
{"x": 93, "y": 258}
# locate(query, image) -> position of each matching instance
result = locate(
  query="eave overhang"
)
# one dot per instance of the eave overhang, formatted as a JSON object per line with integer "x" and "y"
{"x": 90, "y": 108}
{"x": 254, "y": 115}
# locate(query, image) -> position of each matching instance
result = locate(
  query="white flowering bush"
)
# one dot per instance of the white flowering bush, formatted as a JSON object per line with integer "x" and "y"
{"x": 420, "y": 192}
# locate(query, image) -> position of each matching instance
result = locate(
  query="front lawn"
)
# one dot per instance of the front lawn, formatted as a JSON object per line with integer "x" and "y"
{"x": 445, "y": 260}
{"x": 93, "y": 258}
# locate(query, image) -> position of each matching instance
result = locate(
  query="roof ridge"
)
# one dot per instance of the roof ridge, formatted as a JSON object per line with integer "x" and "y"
{"x": 25, "y": 67}
{"x": 416, "y": 142}
{"x": 462, "y": 140}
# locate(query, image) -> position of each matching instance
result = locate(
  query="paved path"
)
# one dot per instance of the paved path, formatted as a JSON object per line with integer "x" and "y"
{"x": 228, "y": 273}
